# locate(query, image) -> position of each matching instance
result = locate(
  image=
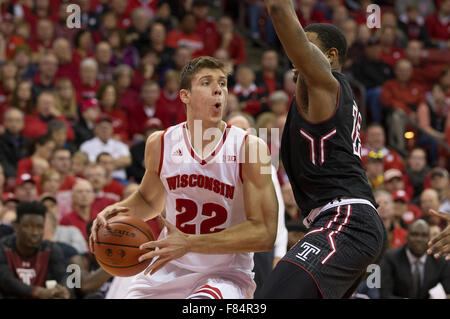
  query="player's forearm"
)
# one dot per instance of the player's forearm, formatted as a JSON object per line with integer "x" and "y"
{"x": 248, "y": 236}
{"x": 138, "y": 206}
{"x": 289, "y": 29}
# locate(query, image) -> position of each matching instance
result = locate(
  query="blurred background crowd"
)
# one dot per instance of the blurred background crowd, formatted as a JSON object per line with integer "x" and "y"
{"x": 77, "y": 104}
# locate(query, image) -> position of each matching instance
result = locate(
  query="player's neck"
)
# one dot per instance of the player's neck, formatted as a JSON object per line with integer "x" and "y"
{"x": 204, "y": 135}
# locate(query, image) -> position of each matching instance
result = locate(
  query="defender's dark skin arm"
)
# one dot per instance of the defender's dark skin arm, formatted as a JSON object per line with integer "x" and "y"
{"x": 303, "y": 49}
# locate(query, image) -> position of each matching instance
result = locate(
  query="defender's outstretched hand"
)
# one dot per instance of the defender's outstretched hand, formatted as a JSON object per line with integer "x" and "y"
{"x": 440, "y": 245}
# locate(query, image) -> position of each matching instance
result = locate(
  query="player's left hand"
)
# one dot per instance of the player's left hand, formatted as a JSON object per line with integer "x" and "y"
{"x": 440, "y": 245}
{"x": 173, "y": 246}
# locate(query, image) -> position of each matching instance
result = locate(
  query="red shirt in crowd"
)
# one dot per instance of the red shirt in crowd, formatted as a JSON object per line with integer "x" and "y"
{"x": 207, "y": 30}
{"x": 114, "y": 188}
{"x": 392, "y": 55}
{"x": 398, "y": 96}
{"x": 438, "y": 28}
{"x": 35, "y": 126}
{"x": 119, "y": 122}
{"x": 170, "y": 109}
{"x": 176, "y": 38}
{"x": 236, "y": 49}
{"x": 73, "y": 219}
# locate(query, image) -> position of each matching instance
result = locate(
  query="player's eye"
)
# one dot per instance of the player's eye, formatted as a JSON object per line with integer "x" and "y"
{"x": 205, "y": 83}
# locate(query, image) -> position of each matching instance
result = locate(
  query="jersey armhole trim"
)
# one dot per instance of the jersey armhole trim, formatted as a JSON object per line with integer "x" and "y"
{"x": 240, "y": 158}
{"x": 332, "y": 115}
{"x": 161, "y": 156}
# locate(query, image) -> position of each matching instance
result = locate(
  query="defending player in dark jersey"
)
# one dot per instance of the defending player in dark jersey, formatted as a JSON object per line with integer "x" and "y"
{"x": 321, "y": 154}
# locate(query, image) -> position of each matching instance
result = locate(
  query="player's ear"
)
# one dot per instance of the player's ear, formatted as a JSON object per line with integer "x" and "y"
{"x": 185, "y": 96}
{"x": 332, "y": 55}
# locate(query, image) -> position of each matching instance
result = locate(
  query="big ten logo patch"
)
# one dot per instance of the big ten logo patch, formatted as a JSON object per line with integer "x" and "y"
{"x": 307, "y": 249}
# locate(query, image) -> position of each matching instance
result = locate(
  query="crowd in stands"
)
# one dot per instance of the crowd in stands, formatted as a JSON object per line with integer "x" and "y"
{"x": 77, "y": 105}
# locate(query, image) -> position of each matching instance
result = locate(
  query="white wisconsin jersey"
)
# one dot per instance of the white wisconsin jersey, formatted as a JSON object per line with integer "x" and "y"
{"x": 204, "y": 195}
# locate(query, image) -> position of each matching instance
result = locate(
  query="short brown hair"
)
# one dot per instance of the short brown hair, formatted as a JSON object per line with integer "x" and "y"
{"x": 193, "y": 66}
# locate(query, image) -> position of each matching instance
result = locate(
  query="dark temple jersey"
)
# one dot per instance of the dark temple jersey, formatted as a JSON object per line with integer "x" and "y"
{"x": 323, "y": 160}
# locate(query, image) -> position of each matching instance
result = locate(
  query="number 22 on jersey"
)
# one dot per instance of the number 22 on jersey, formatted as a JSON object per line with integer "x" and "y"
{"x": 188, "y": 211}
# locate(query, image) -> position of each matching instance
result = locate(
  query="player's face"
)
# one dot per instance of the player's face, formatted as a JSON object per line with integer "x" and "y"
{"x": 30, "y": 230}
{"x": 207, "y": 97}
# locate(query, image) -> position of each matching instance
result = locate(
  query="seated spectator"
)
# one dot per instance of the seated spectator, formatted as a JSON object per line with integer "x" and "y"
{"x": 395, "y": 180}
{"x": 103, "y": 56}
{"x": 112, "y": 187}
{"x": 45, "y": 78}
{"x": 417, "y": 170}
{"x": 22, "y": 58}
{"x": 82, "y": 46}
{"x": 22, "y": 99}
{"x": 408, "y": 272}
{"x": 390, "y": 53}
{"x": 404, "y": 209}
{"x": 227, "y": 38}
{"x": 137, "y": 33}
{"x": 96, "y": 175}
{"x": 61, "y": 160}
{"x": 108, "y": 99}
{"x": 127, "y": 95}
{"x": 403, "y": 97}
{"x": 27, "y": 261}
{"x": 140, "y": 113}
{"x": 49, "y": 186}
{"x": 66, "y": 66}
{"x": 65, "y": 99}
{"x": 95, "y": 280}
{"x": 122, "y": 52}
{"x": 43, "y": 41}
{"x": 395, "y": 233}
{"x": 376, "y": 142}
{"x": 373, "y": 72}
{"x": 170, "y": 107}
{"x": 165, "y": 16}
{"x": 429, "y": 199}
{"x": 205, "y": 25}
{"x": 88, "y": 84}
{"x": 82, "y": 199}
{"x": 103, "y": 142}
{"x": 186, "y": 35}
{"x": 157, "y": 35}
{"x": 413, "y": 25}
{"x": 57, "y": 130}
{"x": 43, "y": 149}
{"x": 438, "y": 25}
{"x": 374, "y": 169}
{"x": 249, "y": 94}
{"x": 433, "y": 118}
{"x": 13, "y": 145}
{"x": 278, "y": 103}
{"x": 425, "y": 7}
{"x": 26, "y": 189}
{"x": 269, "y": 77}
{"x": 439, "y": 181}
{"x": 425, "y": 71}
{"x": 36, "y": 125}
{"x": 84, "y": 129}
{"x": 137, "y": 168}
{"x": 307, "y": 13}
{"x": 80, "y": 160}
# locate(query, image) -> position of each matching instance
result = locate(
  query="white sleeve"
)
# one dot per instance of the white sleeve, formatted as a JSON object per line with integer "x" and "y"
{"x": 281, "y": 241}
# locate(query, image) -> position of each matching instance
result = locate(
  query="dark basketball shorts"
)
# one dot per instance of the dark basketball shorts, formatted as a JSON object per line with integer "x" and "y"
{"x": 341, "y": 243}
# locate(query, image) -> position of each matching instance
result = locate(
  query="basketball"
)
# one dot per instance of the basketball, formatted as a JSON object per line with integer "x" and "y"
{"x": 117, "y": 249}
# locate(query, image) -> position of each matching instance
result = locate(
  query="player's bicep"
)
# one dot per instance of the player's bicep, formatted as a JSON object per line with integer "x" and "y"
{"x": 151, "y": 187}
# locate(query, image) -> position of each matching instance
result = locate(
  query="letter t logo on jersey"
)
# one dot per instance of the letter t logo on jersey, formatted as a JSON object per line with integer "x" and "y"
{"x": 308, "y": 249}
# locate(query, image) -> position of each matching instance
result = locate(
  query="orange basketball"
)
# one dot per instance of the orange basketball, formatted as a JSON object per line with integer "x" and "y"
{"x": 117, "y": 249}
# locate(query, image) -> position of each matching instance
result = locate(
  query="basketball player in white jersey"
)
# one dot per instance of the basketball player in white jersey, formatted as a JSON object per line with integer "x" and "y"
{"x": 219, "y": 199}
